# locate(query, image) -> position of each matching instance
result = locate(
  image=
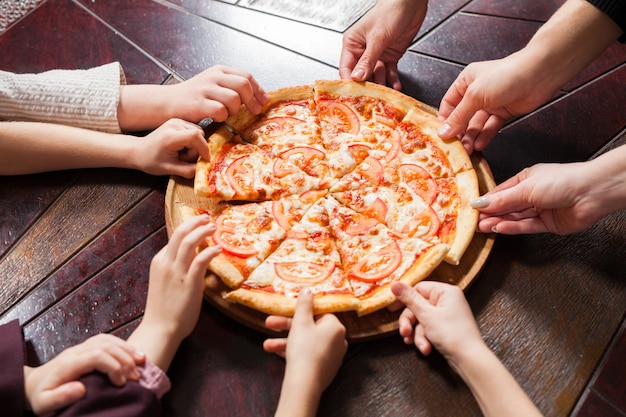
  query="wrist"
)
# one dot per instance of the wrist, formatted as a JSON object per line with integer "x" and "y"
{"x": 159, "y": 343}
{"x": 27, "y": 371}
{"x": 300, "y": 395}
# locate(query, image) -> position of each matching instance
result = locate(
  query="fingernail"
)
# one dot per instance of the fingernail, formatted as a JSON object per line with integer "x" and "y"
{"x": 480, "y": 202}
{"x": 139, "y": 354}
{"x": 494, "y": 229}
{"x": 358, "y": 74}
{"x": 306, "y": 291}
{"x": 444, "y": 130}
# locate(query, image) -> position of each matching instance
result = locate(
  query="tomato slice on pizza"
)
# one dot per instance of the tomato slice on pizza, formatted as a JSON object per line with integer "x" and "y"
{"x": 307, "y": 258}
{"x": 375, "y": 256}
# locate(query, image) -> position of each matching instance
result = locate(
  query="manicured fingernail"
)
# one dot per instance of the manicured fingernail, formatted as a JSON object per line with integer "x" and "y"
{"x": 139, "y": 354}
{"x": 444, "y": 130}
{"x": 494, "y": 229}
{"x": 480, "y": 202}
{"x": 358, "y": 74}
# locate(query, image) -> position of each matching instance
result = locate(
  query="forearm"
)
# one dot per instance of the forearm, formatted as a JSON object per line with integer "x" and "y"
{"x": 29, "y": 147}
{"x": 495, "y": 389}
{"x": 144, "y": 107}
{"x": 299, "y": 396}
{"x": 569, "y": 41}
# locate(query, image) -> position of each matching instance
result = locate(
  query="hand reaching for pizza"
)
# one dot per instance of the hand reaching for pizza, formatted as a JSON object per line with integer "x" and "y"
{"x": 171, "y": 149}
{"x": 438, "y": 315}
{"x": 485, "y": 96}
{"x": 556, "y": 198}
{"x": 373, "y": 46}
{"x": 216, "y": 93}
{"x": 313, "y": 351}
{"x": 54, "y": 385}
{"x": 175, "y": 291}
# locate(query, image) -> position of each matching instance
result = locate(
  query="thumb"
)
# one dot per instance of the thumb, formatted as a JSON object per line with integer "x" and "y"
{"x": 409, "y": 297}
{"x": 59, "y": 397}
{"x": 458, "y": 119}
{"x": 365, "y": 66}
{"x": 182, "y": 169}
{"x": 502, "y": 202}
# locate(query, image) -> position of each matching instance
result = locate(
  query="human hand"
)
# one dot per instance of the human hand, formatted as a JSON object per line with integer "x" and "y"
{"x": 314, "y": 348}
{"x": 216, "y": 93}
{"x": 175, "y": 291}
{"x": 488, "y": 94}
{"x": 54, "y": 385}
{"x": 438, "y": 315}
{"x": 171, "y": 149}
{"x": 373, "y": 46}
{"x": 556, "y": 198}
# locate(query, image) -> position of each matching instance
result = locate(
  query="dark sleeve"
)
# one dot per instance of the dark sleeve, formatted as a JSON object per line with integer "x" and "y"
{"x": 616, "y": 10}
{"x": 104, "y": 399}
{"x": 12, "y": 369}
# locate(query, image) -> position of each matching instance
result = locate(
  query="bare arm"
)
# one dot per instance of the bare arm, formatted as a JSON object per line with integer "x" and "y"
{"x": 29, "y": 147}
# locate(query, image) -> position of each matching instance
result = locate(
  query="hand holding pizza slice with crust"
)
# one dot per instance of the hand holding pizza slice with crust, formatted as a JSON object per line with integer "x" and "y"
{"x": 341, "y": 187}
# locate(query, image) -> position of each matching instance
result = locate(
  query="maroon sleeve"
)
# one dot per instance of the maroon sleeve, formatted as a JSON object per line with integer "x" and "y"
{"x": 104, "y": 399}
{"x": 12, "y": 369}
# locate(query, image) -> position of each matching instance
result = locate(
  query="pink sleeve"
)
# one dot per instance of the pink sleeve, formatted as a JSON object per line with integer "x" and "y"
{"x": 154, "y": 379}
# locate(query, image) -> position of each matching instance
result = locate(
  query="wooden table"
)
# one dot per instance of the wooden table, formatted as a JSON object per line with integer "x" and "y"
{"x": 75, "y": 246}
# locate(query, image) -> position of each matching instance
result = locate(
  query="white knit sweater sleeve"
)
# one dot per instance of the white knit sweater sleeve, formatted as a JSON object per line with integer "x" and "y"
{"x": 83, "y": 98}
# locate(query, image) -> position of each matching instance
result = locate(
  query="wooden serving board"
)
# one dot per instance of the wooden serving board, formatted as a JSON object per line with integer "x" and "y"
{"x": 383, "y": 322}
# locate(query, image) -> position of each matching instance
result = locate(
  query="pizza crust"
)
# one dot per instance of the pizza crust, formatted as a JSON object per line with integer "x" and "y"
{"x": 216, "y": 141}
{"x": 244, "y": 117}
{"x": 467, "y": 216}
{"x": 425, "y": 265}
{"x": 454, "y": 150}
{"x": 364, "y": 88}
{"x": 278, "y": 304}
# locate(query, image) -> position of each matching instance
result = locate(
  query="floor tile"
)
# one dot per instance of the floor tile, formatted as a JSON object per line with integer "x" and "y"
{"x": 467, "y": 38}
{"x": 426, "y": 79}
{"x": 66, "y": 26}
{"x": 315, "y": 42}
{"x": 561, "y": 131}
{"x": 439, "y": 10}
{"x": 332, "y": 14}
{"x": 592, "y": 405}
{"x": 188, "y": 44}
{"x": 610, "y": 380}
{"x": 519, "y": 9}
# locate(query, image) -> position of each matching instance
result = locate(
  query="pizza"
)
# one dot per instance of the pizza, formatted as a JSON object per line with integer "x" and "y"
{"x": 341, "y": 187}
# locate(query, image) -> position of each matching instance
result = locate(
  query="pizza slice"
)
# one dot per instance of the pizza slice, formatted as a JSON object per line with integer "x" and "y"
{"x": 307, "y": 258}
{"x": 242, "y": 171}
{"x": 407, "y": 199}
{"x": 248, "y": 233}
{"x": 359, "y": 119}
{"x": 373, "y": 256}
{"x": 420, "y": 144}
{"x": 287, "y": 128}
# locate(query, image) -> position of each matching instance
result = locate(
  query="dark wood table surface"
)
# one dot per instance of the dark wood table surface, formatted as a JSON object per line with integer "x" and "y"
{"x": 75, "y": 246}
